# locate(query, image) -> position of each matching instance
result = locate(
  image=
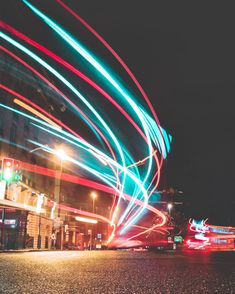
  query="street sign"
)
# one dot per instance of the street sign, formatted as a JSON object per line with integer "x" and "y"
{"x": 56, "y": 224}
{"x": 178, "y": 239}
{"x": 9, "y": 221}
{"x": 2, "y": 189}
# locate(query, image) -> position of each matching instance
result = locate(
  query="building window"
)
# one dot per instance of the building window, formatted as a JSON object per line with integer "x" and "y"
{"x": 16, "y": 117}
{"x": 1, "y": 126}
{"x": 13, "y": 133}
{"x": 26, "y": 124}
{"x": 35, "y": 134}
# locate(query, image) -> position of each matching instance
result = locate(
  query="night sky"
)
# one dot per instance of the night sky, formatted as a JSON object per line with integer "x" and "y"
{"x": 183, "y": 56}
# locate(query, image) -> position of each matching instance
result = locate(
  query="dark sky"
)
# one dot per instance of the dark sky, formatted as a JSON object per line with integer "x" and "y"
{"x": 183, "y": 55}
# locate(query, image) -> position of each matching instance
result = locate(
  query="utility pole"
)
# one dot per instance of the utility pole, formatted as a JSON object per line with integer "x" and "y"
{"x": 2, "y": 230}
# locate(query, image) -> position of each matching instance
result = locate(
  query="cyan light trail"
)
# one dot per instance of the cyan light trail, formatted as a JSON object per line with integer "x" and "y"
{"x": 51, "y": 150}
{"x": 49, "y": 53}
{"x": 162, "y": 137}
{"x": 74, "y": 90}
{"x": 118, "y": 203}
{"x": 34, "y": 56}
{"x": 43, "y": 170}
{"x": 88, "y": 183}
{"x": 85, "y": 117}
{"x": 96, "y": 161}
{"x": 82, "y": 51}
{"x": 96, "y": 173}
{"x": 46, "y": 51}
{"x": 53, "y": 118}
{"x": 72, "y": 69}
{"x": 87, "y": 148}
{"x": 82, "y": 181}
{"x": 136, "y": 215}
{"x": 119, "y": 59}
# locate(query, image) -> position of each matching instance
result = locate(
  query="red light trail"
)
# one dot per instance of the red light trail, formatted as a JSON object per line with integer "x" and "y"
{"x": 120, "y": 172}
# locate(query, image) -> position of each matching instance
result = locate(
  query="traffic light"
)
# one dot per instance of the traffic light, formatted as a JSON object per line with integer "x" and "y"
{"x": 16, "y": 169}
{"x": 7, "y": 169}
{"x": 10, "y": 170}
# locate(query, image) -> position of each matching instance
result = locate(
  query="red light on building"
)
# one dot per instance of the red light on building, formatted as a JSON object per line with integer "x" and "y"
{"x": 8, "y": 163}
{"x": 7, "y": 168}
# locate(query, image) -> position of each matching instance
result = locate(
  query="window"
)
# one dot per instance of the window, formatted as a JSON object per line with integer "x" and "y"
{"x": 13, "y": 133}
{"x": 26, "y": 124}
{"x": 1, "y": 126}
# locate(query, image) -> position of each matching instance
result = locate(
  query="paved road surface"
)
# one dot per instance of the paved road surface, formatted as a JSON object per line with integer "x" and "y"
{"x": 117, "y": 272}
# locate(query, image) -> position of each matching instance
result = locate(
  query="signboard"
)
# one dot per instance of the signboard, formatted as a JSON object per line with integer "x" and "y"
{"x": 169, "y": 239}
{"x": 2, "y": 189}
{"x": 178, "y": 239}
{"x": 56, "y": 224}
{"x": 9, "y": 221}
{"x": 221, "y": 230}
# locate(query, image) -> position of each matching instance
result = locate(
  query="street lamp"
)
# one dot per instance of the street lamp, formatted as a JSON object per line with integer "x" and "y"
{"x": 169, "y": 207}
{"x": 94, "y": 196}
{"x": 38, "y": 148}
{"x": 38, "y": 211}
{"x": 39, "y": 203}
{"x": 62, "y": 156}
{"x": 60, "y": 153}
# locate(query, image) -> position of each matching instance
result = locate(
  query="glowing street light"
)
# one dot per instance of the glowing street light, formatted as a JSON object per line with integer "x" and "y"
{"x": 38, "y": 148}
{"x": 169, "y": 207}
{"x": 86, "y": 220}
{"x": 40, "y": 198}
{"x": 94, "y": 196}
{"x": 61, "y": 154}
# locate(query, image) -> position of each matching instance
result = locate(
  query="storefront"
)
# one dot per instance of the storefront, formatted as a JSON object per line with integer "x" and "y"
{"x": 13, "y": 228}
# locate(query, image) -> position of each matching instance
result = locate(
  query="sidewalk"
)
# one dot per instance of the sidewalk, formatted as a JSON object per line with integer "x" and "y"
{"x": 25, "y": 250}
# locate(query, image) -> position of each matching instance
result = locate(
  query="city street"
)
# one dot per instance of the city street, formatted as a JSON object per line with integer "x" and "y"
{"x": 117, "y": 272}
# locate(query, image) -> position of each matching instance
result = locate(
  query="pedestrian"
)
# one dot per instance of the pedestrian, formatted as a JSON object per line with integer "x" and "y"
{"x": 53, "y": 240}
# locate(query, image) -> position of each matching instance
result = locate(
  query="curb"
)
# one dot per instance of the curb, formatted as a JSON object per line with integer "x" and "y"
{"x": 23, "y": 251}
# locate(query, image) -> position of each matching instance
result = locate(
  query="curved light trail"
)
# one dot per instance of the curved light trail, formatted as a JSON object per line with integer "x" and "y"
{"x": 110, "y": 160}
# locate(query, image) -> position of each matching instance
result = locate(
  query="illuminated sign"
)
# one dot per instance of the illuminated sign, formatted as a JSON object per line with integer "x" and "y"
{"x": 2, "y": 189}
{"x": 9, "y": 221}
{"x": 178, "y": 239}
{"x": 86, "y": 220}
{"x": 221, "y": 230}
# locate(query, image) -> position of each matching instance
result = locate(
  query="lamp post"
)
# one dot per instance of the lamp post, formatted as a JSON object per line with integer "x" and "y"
{"x": 62, "y": 156}
{"x": 169, "y": 207}
{"x": 38, "y": 148}
{"x": 38, "y": 211}
{"x": 39, "y": 205}
{"x": 57, "y": 191}
{"x": 94, "y": 196}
